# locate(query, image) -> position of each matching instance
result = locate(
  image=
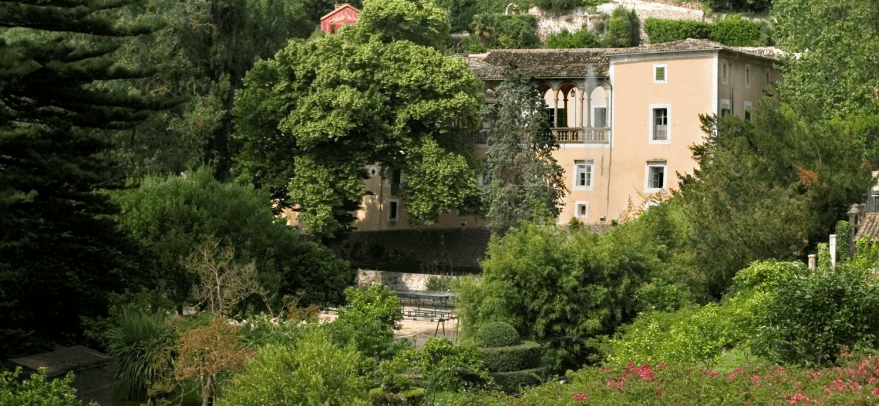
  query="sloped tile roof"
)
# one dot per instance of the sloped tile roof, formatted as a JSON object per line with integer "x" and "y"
{"x": 575, "y": 62}
{"x": 869, "y": 227}
{"x": 690, "y": 45}
{"x": 540, "y": 63}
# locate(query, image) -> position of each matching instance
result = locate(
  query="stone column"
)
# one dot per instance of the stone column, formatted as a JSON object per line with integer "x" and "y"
{"x": 582, "y": 111}
{"x": 555, "y": 115}
{"x": 813, "y": 261}
{"x": 565, "y": 96}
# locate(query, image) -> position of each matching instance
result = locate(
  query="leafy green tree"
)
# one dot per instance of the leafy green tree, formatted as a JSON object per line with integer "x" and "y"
{"x": 764, "y": 191}
{"x": 559, "y": 287}
{"x": 60, "y": 252}
{"x": 310, "y": 120}
{"x": 526, "y": 182}
{"x": 830, "y": 69}
{"x": 623, "y": 29}
{"x": 313, "y": 372}
{"x": 173, "y": 216}
{"x": 208, "y": 45}
{"x": 37, "y": 391}
{"x": 368, "y": 322}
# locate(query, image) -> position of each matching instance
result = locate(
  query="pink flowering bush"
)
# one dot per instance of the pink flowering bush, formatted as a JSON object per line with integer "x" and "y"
{"x": 855, "y": 383}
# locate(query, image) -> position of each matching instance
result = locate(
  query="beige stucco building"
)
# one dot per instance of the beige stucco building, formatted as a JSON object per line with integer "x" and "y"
{"x": 624, "y": 120}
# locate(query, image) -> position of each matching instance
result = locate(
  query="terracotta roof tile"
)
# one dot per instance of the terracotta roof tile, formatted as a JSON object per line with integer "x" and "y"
{"x": 575, "y": 62}
{"x": 869, "y": 227}
{"x": 540, "y": 63}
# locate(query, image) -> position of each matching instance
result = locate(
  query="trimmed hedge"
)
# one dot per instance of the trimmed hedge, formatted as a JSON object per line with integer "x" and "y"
{"x": 497, "y": 334}
{"x": 514, "y": 358}
{"x": 411, "y": 397}
{"x": 513, "y": 382}
{"x": 731, "y": 31}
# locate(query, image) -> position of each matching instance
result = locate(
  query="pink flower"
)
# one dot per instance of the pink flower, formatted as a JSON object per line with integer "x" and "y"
{"x": 579, "y": 397}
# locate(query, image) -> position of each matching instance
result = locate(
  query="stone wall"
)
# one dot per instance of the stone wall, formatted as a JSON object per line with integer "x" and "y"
{"x": 549, "y": 23}
{"x": 396, "y": 281}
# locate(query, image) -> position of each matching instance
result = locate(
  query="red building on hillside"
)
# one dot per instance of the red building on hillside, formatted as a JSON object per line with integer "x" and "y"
{"x": 343, "y": 14}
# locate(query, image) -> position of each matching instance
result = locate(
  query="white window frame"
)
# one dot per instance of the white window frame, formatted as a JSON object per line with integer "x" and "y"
{"x": 650, "y": 128}
{"x": 390, "y": 202}
{"x": 724, "y": 72}
{"x": 747, "y": 76}
{"x": 577, "y": 210}
{"x": 749, "y": 111}
{"x": 648, "y": 178}
{"x": 589, "y": 167}
{"x": 595, "y": 114}
{"x": 725, "y": 104}
{"x": 664, "y": 67}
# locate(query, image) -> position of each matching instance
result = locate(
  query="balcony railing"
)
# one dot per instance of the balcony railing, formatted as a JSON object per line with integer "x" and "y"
{"x": 660, "y": 132}
{"x": 572, "y": 135}
{"x": 582, "y": 135}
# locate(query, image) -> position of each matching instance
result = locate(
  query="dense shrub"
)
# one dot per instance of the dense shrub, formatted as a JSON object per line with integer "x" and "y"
{"x": 142, "y": 345}
{"x": 368, "y": 322}
{"x": 753, "y": 6}
{"x": 661, "y": 30}
{"x": 313, "y": 372}
{"x": 731, "y": 31}
{"x": 551, "y": 283}
{"x": 496, "y": 334}
{"x": 409, "y": 397}
{"x": 513, "y": 382}
{"x": 557, "y": 5}
{"x": 737, "y": 32}
{"x": 512, "y": 358}
{"x": 856, "y": 382}
{"x": 623, "y": 29}
{"x": 442, "y": 365}
{"x": 505, "y": 31}
{"x": 262, "y": 330}
{"x": 582, "y": 38}
{"x": 812, "y": 316}
{"x": 37, "y": 391}
{"x": 172, "y": 216}
{"x": 698, "y": 336}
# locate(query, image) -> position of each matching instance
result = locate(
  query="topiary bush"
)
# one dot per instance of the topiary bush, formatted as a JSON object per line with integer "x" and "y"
{"x": 409, "y": 397}
{"x": 731, "y": 31}
{"x": 511, "y": 363}
{"x": 514, "y": 381}
{"x": 512, "y": 358}
{"x": 497, "y": 334}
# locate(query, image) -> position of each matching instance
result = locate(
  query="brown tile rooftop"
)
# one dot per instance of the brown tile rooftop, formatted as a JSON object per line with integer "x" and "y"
{"x": 869, "y": 227}
{"x": 575, "y": 62}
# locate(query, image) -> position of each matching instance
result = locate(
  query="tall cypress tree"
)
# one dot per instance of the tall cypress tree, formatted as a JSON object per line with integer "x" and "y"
{"x": 526, "y": 182}
{"x": 60, "y": 251}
